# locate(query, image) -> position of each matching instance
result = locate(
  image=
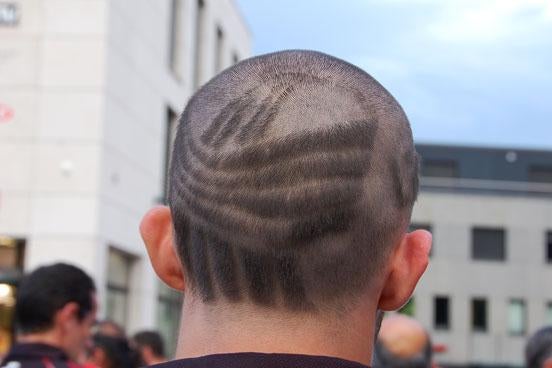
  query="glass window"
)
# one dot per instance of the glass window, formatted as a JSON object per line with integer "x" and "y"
{"x": 479, "y": 315}
{"x": 168, "y": 316}
{"x": 199, "y": 43}
{"x": 549, "y": 247}
{"x": 488, "y": 244}
{"x": 440, "y": 168}
{"x": 170, "y": 135}
{"x": 517, "y": 319}
{"x": 441, "y": 317}
{"x": 549, "y": 313}
{"x": 175, "y": 41}
{"x": 235, "y": 58}
{"x": 540, "y": 174}
{"x": 219, "y": 51}
{"x": 118, "y": 285}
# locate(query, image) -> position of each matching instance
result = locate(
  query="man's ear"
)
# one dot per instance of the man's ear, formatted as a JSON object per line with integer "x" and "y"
{"x": 547, "y": 363}
{"x": 406, "y": 265}
{"x": 67, "y": 316}
{"x": 157, "y": 232}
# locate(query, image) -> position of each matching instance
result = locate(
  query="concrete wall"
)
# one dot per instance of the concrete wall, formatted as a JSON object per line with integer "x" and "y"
{"x": 83, "y": 158}
{"x": 525, "y": 273}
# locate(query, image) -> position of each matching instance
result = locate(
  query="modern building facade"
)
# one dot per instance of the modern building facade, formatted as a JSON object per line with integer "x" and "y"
{"x": 90, "y": 91}
{"x": 489, "y": 282}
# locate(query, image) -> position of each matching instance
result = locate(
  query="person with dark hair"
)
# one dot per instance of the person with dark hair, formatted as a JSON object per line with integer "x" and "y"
{"x": 150, "y": 346}
{"x": 402, "y": 343}
{"x": 292, "y": 182}
{"x": 110, "y": 328}
{"x": 54, "y": 312}
{"x": 538, "y": 351}
{"x": 112, "y": 352}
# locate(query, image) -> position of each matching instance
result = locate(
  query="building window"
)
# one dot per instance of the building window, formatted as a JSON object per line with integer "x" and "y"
{"x": 409, "y": 309}
{"x": 540, "y": 174}
{"x": 170, "y": 135}
{"x": 517, "y": 317}
{"x": 440, "y": 168}
{"x": 488, "y": 244}
{"x": 119, "y": 266}
{"x": 427, "y": 227}
{"x": 549, "y": 247}
{"x": 479, "y": 315}
{"x": 175, "y": 41}
{"x": 219, "y": 51}
{"x": 235, "y": 58}
{"x": 168, "y": 316}
{"x": 199, "y": 43}
{"x": 441, "y": 313}
{"x": 549, "y": 313}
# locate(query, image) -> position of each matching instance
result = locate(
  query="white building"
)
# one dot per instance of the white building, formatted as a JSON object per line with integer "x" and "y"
{"x": 489, "y": 283}
{"x": 89, "y": 94}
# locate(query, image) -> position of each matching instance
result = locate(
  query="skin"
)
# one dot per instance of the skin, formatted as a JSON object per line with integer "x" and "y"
{"x": 403, "y": 336}
{"x": 227, "y": 328}
{"x": 68, "y": 333}
{"x": 149, "y": 357}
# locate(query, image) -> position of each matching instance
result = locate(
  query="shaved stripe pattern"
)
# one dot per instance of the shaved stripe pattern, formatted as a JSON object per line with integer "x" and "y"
{"x": 250, "y": 206}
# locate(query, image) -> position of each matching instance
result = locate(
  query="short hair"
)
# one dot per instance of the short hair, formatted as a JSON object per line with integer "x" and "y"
{"x": 116, "y": 350}
{"x": 291, "y": 175}
{"x": 384, "y": 358}
{"x": 539, "y": 348}
{"x": 48, "y": 289}
{"x": 152, "y": 339}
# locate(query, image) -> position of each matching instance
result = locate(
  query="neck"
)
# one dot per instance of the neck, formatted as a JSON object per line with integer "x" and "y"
{"x": 50, "y": 337}
{"x": 234, "y": 328}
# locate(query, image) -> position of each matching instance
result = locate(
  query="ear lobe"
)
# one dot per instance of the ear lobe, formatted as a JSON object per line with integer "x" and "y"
{"x": 406, "y": 265}
{"x": 157, "y": 232}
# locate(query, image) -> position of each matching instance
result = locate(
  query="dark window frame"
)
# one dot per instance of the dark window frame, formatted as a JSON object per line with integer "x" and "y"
{"x": 478, "y": 248}
{"x": 480, "y": 325}
{"x": 440, "y": 323}
{"x": 548, "y": 247}
{"x": 440, "y": 166}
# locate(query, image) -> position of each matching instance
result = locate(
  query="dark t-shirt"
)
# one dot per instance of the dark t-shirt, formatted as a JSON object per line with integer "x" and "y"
{"x": 36, "y": 356}
{"x": 260, "y": 360}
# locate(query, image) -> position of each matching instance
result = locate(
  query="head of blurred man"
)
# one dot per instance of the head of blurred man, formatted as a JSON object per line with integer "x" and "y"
{"x": 292, "y": 182}
{"x": 538, "y": 351}
{"x": 150, "y": 346}
{"x": 56, "y": 305}
{"x": 402, "y": 343}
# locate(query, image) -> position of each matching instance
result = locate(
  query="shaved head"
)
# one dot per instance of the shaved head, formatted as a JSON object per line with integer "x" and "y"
{"x": 292, "y": 176}
{"x": 402, "y": 343}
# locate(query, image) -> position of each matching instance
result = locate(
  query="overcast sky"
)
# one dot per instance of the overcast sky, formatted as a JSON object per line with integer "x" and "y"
{"x": 476, "y": 72}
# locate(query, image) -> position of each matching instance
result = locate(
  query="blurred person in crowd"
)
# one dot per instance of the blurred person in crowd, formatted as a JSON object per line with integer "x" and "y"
{"x": 54, "y": 313}
{"x": 110, "y": 328}
{"x": 150, "y": 346}
{"x": 112, "y": 352}
{"x": 292, "y": 182}
{"x": 402, "y": 343}
{"x": 538, "y": 352}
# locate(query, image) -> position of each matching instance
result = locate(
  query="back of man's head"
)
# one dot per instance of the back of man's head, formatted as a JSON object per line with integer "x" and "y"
{"x": 402, "y": 343}
{"x": 292, "y": 175}
{"x": 47, "y": 290}
{"x": 150, "y": 345}
{"x": 538, "y": 352}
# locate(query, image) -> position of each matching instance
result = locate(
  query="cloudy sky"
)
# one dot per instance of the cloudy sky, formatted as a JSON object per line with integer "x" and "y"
{"x": 476, "y": 72}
